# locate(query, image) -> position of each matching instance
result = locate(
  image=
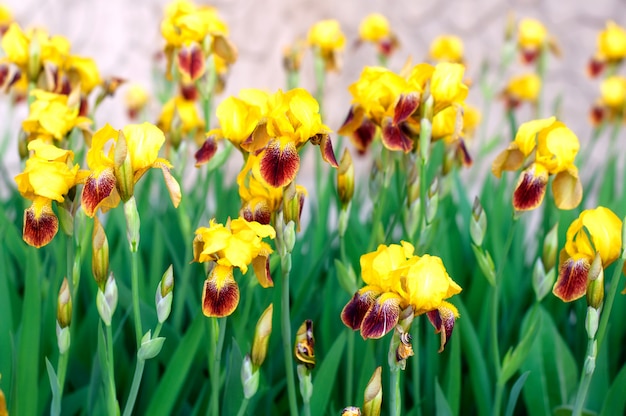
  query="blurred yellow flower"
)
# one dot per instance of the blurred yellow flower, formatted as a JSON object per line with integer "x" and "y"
{"x": 610, "y": 48}
{"x": 446, "y": 48}
{"x": 375, "y": 28}
{"x": 48, "y": 176}
{"x": 53, "y": 116}
{"x": 395, "y": 279}
{"x": 6, "y": 18}
{"x": 328, "y": 40}
{"x": 521, "y": 88}
{"x": 136, "y": 99}
{"x": 613, "y": 92}
{"x": 596, "y": 232}
{"x": 238, "y": 244}
{"x": 114, "y": 172}
{"x": 553, "y": 148}
{"x": 180, "y": 118}
{"x": 532, "y": 38}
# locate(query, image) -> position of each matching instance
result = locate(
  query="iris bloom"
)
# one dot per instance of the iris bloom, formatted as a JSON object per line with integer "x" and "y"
{"x": 446, "y": 48}
{"x": 375, "y": 29}
{"x": 532, "y": 38}
{"x": 274, "y": 127}
{"x": 180, "y": 118}
{"x": 328, "y": 40}
{"x": 395, "y": 279}
{"x": 6, "y": 18}
{"x": 385, "y": 101}
{"x": 610, "y": 49}
{"x": 238, "y": 244}
{"x": 136, "y": 99}
{"x": 53, "y": 116}
{"x": 596, "y": 232}
{"x": 49, "y": 176}
{"x": 549, "y": 148}
{"x": 522, "y": 88}
{"x": 118, "y": 159}
{"x": 612, "y": 103}
{"x": 193, "y": 34}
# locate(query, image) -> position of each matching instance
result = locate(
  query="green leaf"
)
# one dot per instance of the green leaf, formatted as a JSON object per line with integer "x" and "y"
{"x": 324, "y": 379}
{"x": 55, "y": 408}
{"x": 442, "y": 406}
{"x": 615, "y": 400}
{"x": 514, "y": 358}
{"x": 515, "y": 391}
{"x": 165, "y": 397}
{"x": 346, "y": 277}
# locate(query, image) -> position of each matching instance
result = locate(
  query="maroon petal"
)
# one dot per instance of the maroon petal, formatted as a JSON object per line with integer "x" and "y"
{"x": 191, "y": 61}
{"x": 364, "y": 135}
{"x": 530, "y": 189}
{"x": 443, "y": 320}
{"x": 394, "y": 138}
{"x": 572, "y": 281}
{"x": 353, "y": 313}
{"x": 206, "y": 151}
{"x": 382, "y": 317}
{"x": 326, "y": 148}
{"x": 406, "y": 105}
{"x": 279, "y": 165}
{"x": 220, "y": 296}
{"x": 96, "y": 191}
{"x": 39, "y": 227}
{"x": 595, "y": 67}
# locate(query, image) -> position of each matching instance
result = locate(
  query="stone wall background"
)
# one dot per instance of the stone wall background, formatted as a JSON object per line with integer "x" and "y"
{"x": 123, "y": 37}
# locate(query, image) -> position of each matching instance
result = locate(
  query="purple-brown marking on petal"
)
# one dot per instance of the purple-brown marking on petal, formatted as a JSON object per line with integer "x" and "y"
{"x": 326, "y": 148}
{"x": 406, "y": 105}
{"x": 189, "y": 91}
{"x": 596, "y": 115}
{"x": 394, "y": 138}
{"x": 465, "y": 156}
{"x": 572, "y": 281}
{"x": 279, "y": 166}
{"x": 40, "y": 229}
{"x": 381, "y": 318}
{"x": 261, "y": 265}
{"x": 529, "y": 55}
{"x": 259, "y": 212}
{"x": 220, "y": 301}
{"x": 173, "y": 187}
{"x": 595, "y": 67}
{"x": 364, "y": 135}
{"x": 96, "y": 190}
{"x": 353, "y": 313}
{"x": 530, "y": 189}
{"x": 443, "y": 320}
{"x": 206, "y": 151}
{"x": 191, "y": 61}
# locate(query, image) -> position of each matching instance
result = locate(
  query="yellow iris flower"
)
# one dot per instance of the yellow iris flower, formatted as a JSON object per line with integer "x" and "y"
{"x": 328, "y": 40}
{"x": 520, "y": 88}
{"x": 532, "y": 38}
{"x": 131, "y": 152}
{"x": 554, "y": 148}
{"x": 238, "y": 244}
{"x": 53, "y": 116}
{"x": 375, "y": 28}
{"x": 274, "y": 127}
{"x": 596, "y": 232}
{"x": 48, "y": 176}
{"x": 396, "y": 279}
{"x": 179, "y": 118}
{"x": 446, "y": 48}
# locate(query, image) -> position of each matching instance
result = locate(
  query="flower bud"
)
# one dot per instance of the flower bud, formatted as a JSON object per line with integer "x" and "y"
{"x": 478, "y": 223}
{"x": 262, "y": 336}
{"x": 34, "y": 59}
{"x": 542, "y": 281}
{"x": 99, "y": 254}
{"x": 132, "y": 223}
{"x": 150, "y": 347}
{"x": 550, "y": 246}
{"x": 293, "y": 200}
{"x": 305, "y": 343}
{"x": 64, "y": 305}
{"x": 345, "y": 179}
{"x": 591, "y": 321}
{"x": 595, "y": 290}
{"x": 164, "y": 295}
{"x": 66, "y": 220}
{"x": 63, "y": 339}
{"x": 289, "y": 236}
{"x": 106, "y": 301}
{"x": 249, "y": 377}
{"x": 432, "y": 202}
{"x": 306, "y": 386}
{"x": 596, "y": 269}
{"x": 485, "y": 263}
{"x": 124, "y": 174}
{"x": 344, "y": 219}
{"x": 373, "y": 397}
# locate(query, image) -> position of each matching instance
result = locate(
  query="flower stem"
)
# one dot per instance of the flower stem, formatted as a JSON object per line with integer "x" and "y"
{"x": 134, "y": 389}
{"x": 134, "y": 281}
{"x": 113, "y": 404}
{"x": 587, "y": 371}
{"x": 495, "y": 303}
{"x": 217, "y": 331}
{"x": 243, "y": 407}
{"x": 395, "y": 400}
{"x": 417, "y": 394}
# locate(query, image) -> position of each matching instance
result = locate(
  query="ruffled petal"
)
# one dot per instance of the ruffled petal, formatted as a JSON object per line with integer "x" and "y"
{"x": 220, "y": 296}
{"x": 531, "y": 188}
{"x": 567, "y": 189}
{"x": 206, "y": 151}
{"x": 382, "y": 316}
{"x": 443, "y": 319}
{"x": 353, "y": 313}
{"x": 279, "y": 164}
{"x": 406, "y": 105}
{"x": 572, "y": 281}
{"x": 394, "y": 138}
{"x": 100, "y": 191}
{"x": 191, "y": 61}
{"x": 40, "y": 223}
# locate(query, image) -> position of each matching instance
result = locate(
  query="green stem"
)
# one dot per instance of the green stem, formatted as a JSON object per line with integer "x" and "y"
{"x": 134, "y": 389}
{"x": 541, "y": 72}
{"x": 217, "y": 328}
{"x": 62, "y": 371}
{"x": 495, "y": 303}
{"x": 293, "y": 79}
{"x": 350, "y": 366}
{"x": 113, "y": 405}
{"x": 417, "y": 394}
{"x": 134, "y": 280}
{"x": 395, "y": 400}
{"x": 243, "y": 407}
{"x": 587, "y": 374}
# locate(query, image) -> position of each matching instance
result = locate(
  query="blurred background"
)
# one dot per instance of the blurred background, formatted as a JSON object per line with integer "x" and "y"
{"x": 124, "y": 38}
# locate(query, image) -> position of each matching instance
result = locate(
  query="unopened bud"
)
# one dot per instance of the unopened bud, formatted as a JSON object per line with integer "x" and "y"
{"x": 478, "y": 223}
{"x": 373, "y": 397}
{"x": 249, "y": 377}
{"x": 106, "y": 301}
{"x": 542, "y": 281}
{"x": 289, "y": 236}
{"x": 63, "y": 339}
{"x": 34, "y": 59}
{"x": 306, "y": 386}
{"x": 64, "y": 305}
{"x": 305, "y": 342}
{"x": 99, "y": 254}
{"x": 150, "y": 347}
{"x": 132, "y": 223}
{"x": 345, "y": 179}
{"x": 262, "y": 336}
{"x": 485, "y": 263}
{"x": 550, "y": 246}
{"x": 595, "y": 290}
{"x": 591, "y": 321}
{"x": 123, "y": 169}
{"x": 426, "y": 126}
{"x": 164, "y": 295}
{"x": 293, "y": 200}
{"x": 66, "y": 220}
